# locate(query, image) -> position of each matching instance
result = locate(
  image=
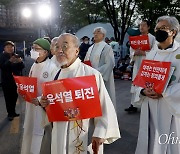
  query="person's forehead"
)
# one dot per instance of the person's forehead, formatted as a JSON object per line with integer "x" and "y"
{"x": 36, "y": 46}
{"x": 65, "y": 39}
{"x": 97, "y": 31}
{"x": 162, "y": 23}
{"x": 9, "y": 46}
{"x": 53, "y": 43}
{"x": 143, "y": 23}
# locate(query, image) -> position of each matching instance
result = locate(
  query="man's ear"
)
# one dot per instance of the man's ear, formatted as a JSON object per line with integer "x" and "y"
{"x": 174, "y": 33}
{"x": 77, "y": 51}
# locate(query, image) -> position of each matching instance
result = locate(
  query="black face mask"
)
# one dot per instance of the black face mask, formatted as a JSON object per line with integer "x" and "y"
{"x": 161, "y": 35}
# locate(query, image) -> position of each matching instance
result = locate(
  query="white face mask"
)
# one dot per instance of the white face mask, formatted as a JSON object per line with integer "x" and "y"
{"x": 34, "y": 54}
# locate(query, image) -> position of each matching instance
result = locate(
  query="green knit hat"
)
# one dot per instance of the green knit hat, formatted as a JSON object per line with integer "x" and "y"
{"x": 43, "y": 43}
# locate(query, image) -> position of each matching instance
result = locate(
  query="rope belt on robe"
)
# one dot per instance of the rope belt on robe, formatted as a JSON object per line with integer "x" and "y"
{"x": 78, "y": 124}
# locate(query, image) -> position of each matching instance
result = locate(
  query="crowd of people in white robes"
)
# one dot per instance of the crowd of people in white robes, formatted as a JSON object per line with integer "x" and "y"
{"x": 159, "y": 112}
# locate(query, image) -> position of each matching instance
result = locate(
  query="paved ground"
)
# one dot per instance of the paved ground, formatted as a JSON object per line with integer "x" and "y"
{"x": 128, "y": 123}
{"x": 11, "y": 132}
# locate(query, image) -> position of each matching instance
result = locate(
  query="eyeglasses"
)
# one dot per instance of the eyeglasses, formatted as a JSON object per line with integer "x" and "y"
{"x": 162, "y": 28}
{"x": 37, "y": 49}
{"x": 64, "y": 47}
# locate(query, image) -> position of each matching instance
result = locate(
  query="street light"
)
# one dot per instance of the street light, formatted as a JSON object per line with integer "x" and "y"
{"x": 44, "y": 11}
{"x": 26, "y": 12}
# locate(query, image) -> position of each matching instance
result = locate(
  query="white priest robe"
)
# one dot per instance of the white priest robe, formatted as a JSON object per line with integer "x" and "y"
{"x": 54, "y": 60}
{"x": 65, "y": 138}
{"x": 137, "y": 63}
{"x": 33, "y": 129}
{"x": 101, "y": 57}
{"x": 160, "y": 118}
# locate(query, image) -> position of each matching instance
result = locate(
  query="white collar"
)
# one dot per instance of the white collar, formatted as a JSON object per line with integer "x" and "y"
{"x": 72, "y": 66}
{"x": 175, "y": 46}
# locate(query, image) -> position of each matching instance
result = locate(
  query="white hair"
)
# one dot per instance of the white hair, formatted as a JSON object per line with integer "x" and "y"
{"x": 101, "y": 29}
{"x": 173, "y": 22}
{"x": 54, "y": 40}
{"x": 75, "y": 39}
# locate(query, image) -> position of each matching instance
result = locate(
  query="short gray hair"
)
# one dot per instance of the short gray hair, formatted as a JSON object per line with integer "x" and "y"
{"x": 101, "y": 29}
{"x": 173, "y": 22}
{"x": 75, "y": 39}
{"x": 54, "y": 39}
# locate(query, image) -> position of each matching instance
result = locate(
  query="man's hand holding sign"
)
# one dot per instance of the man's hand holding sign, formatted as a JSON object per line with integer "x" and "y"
{"x": 149, "y": 92}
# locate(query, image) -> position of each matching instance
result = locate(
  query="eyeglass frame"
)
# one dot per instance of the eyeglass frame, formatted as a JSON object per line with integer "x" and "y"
{"x": 163, "y": 28}
{"x": 63, "y": 47}
{"x": 37, "y": 49}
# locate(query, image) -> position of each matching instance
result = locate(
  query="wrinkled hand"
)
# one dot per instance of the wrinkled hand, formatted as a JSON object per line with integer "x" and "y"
{"x": 35, "y": 101}
{"x": 149, "y": 92}
{"x": 96, "y": 142}
{"x": 139, "y": 52}
{"x": 44, "y": 101}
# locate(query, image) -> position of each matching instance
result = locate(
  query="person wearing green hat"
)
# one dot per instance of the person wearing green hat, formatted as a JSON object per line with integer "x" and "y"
{"x": 42, "y": 69}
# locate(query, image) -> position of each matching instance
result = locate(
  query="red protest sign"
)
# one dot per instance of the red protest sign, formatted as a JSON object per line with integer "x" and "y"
{"x": 27, "y": 87}
{"x": 140, "y": 42}
{"x": 153, "y": 74}
{"x": 72, "y": 99}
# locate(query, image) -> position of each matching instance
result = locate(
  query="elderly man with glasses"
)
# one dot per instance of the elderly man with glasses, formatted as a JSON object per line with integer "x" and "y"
{"x": 105, "y": 128}
{"x": 160, "y": 112}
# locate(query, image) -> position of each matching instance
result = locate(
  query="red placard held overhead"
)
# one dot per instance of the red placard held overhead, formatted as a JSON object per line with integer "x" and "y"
{"x": 153, "y": 74}
{"x": 139, "y": 42}
{"x": 27, "y": 87}
{"x": 72, "y": 99}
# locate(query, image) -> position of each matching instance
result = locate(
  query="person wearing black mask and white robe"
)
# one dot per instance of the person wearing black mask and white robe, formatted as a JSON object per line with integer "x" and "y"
{"x": 159, "y": 131}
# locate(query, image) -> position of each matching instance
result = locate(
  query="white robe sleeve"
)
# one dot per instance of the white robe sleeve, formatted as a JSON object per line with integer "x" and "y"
{"x": 108, "y": 66}
{"x": 138, "y": 95}
{"x": 172, "y": 98}
{"x": 106, "y": 126}
{"x": 133, "y": 58}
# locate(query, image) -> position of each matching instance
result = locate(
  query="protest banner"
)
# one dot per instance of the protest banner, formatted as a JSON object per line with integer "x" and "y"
{"x": 140, "y": 42}
{"x": 154, "y": 74}
{"x": 72, "y": 99}
{"x": 26, "y": 86}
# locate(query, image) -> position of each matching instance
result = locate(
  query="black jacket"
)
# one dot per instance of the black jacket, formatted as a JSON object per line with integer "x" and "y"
{"x": 83, "y": 50}
{"x": 8, "y": 68}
